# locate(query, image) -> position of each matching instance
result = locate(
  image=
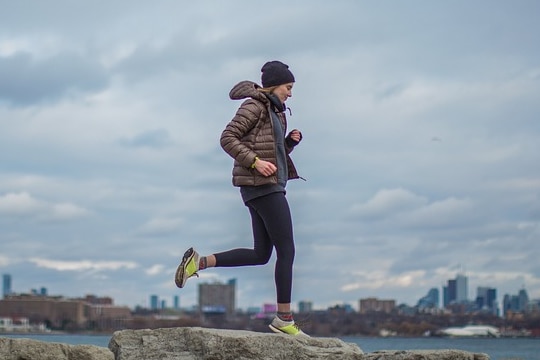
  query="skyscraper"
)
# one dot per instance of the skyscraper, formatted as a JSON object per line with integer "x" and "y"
{"x": 154, "y": 302}
{"x": 456, "y": 291}
{"x": 486, "y": 299}
{"x": 6, "y": 285}
{"x": 461, "y": 288}
{"x": 449, "y": 293}
{"x": 523, "y": 300}
{"x": 430, "y": 301}
{"x": 516, "y": 303}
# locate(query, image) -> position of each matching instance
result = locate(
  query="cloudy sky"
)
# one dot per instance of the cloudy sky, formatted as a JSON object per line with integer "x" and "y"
{"x": 421, "y": 150}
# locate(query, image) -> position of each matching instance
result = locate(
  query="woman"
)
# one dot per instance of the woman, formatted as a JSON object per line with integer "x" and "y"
{"x": 255, "y": 139}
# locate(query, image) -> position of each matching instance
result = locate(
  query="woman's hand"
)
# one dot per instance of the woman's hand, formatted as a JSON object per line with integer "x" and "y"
{"x": 266, "y": 168}
{"x": 296, "y": 135}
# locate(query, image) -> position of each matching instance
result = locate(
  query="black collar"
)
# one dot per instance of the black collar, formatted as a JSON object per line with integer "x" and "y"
{"x": 276, "y": 103}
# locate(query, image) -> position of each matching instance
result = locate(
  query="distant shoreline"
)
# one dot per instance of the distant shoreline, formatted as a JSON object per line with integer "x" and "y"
{"x": 56, "y": 332}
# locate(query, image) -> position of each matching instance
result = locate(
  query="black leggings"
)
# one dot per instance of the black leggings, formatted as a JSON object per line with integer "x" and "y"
{"x": 272, "y": 227}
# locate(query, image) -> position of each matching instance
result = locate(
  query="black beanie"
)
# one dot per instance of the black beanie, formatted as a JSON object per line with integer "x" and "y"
{"x": 276, "y": 73}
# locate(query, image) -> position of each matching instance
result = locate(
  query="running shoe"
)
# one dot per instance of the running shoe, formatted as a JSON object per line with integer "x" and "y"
{"x": 187, "y": 268}
{"x": 286, "y": 327}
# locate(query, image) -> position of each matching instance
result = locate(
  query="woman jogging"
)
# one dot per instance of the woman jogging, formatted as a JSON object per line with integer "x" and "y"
{"x": 256, "y": 139}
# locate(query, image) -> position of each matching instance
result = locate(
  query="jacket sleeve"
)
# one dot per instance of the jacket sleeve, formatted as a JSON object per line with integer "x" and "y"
{"x": 290, "y": 143}
{"x": 246, "y": 118}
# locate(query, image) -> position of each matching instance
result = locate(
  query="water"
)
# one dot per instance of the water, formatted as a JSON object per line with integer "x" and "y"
{"x": 497, "y": 349}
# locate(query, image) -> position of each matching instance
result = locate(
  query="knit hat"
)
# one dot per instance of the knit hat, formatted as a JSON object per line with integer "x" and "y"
{"x": 276, "y": 73}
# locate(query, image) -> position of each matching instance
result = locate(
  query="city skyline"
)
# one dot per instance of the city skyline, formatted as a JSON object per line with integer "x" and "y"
{"x": 420, "y": 148}
{"x": 156, "y": 301}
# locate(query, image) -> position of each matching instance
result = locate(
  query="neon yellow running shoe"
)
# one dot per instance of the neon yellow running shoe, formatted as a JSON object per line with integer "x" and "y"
{"x": 187, "y": 268}
{"x": 286, "y": 327}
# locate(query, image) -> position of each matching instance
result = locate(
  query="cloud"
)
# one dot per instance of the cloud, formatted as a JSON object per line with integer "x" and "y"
{"x": 25, "y": 205}
{"x": 19, "y": 204}
{"x": 404, "y": 208}
{"x": 447, "y": 212}
{"x": 387, "y": 202}
{"x": 378, "y": 279}
{"x": 155, "y": 270}
{"x": 4, "y": 261}
{"x": 158, "y": 138}
{"x": 66, "y": 211}
{"x": 28, "y": 81}
{"x": 161, "y": 226}
{"x": 82, "y": 265}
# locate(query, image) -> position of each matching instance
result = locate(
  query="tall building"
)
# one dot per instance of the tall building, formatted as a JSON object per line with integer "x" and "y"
{"x": 523, "y": 299}
{"x": 430, "y": 301}
{"x": 516, "y": 303}
{"x": 456, "y": 290}
{"x": 154, "y": 302}
{"x": 305, "y": 306}
{"x": 6, "y": 285}
{"x": 176, "y": 302}
{"x": 461, "y": 288}
{"x": 486, "y": 299}
{"x": 218, "y": 298}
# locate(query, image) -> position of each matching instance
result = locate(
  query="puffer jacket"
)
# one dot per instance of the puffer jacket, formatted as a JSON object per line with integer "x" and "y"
{"x": 250, "y": 134}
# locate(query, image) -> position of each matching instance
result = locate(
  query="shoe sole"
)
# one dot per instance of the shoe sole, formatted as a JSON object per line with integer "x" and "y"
{"x": 179, "y": 278}
{"x": 276, "y": 330}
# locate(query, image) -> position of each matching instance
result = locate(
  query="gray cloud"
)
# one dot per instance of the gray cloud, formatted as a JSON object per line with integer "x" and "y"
{"x": 27, "y": 81}
{"x": 154, "y": 139}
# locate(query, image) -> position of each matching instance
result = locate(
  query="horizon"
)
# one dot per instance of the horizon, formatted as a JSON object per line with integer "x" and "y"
{"x": 354, "y": 304}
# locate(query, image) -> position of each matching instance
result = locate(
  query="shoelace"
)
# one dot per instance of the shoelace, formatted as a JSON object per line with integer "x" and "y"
{"x": 304, "y": 321}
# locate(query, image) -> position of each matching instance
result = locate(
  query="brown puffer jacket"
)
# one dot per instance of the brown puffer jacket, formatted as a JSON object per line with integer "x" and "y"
{"x": 250, "y": 134}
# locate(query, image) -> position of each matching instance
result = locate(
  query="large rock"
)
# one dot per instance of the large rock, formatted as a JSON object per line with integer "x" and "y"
{"x": 27, "y": 349}
{"x": 211, "y": 344}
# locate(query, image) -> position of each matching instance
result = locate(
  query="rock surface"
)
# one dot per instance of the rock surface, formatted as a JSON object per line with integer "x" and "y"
{"x": 211, "y": 344}
{"x": 27, "y": 349}
{"x": 192, "y": 343}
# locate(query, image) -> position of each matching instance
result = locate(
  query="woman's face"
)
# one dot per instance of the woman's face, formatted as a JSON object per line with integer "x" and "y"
{"x": 283, "y": 92}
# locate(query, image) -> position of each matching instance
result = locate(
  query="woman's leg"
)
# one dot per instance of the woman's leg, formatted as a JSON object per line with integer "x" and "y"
{"x": 259, "y": 255}
{"x": 272, "y": 227}
{"x": 275, "y": 212}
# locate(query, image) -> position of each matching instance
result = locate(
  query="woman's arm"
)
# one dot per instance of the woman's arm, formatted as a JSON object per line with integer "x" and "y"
{"x": 246, "y": 118}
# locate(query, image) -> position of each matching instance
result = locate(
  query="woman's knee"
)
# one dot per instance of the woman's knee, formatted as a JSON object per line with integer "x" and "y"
{"x": 264, "y": 258}
{"x": 286, "y": 255}
{"x": 262, "y": 255}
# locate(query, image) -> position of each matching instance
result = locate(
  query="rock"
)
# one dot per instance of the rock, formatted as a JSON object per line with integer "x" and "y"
{"x": 212, "y": 344}
{"x": 27, "y": 349}
{"x": 425, "y": 355}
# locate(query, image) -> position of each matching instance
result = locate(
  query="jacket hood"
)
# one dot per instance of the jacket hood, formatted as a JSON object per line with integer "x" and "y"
{"x": 247, "y": 89}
